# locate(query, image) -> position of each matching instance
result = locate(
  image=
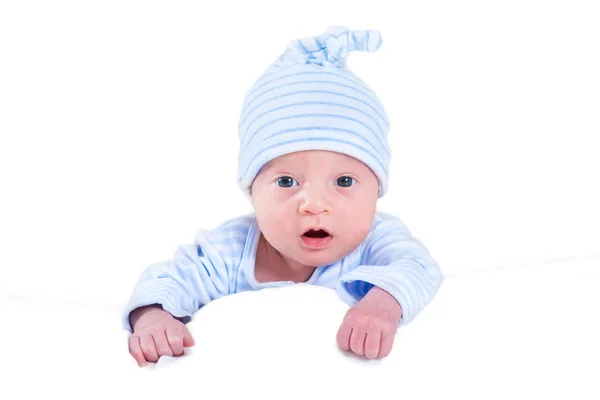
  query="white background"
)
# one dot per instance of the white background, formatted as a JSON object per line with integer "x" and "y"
{"x": 118, "y": 129}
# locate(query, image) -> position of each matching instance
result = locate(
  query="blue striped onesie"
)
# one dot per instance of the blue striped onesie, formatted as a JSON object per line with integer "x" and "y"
{"x": 220, "y": 262}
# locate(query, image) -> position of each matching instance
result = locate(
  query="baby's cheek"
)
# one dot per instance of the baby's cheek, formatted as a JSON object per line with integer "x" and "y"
{"x": 355, "y": 231}
{"x": 275, "y": 224}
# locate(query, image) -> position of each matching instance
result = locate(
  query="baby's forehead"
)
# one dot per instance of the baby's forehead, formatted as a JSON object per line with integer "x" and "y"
{"x": 311, "y": 158}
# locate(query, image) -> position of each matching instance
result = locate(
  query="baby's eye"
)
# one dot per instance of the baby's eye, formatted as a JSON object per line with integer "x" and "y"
{"x": 286, "y": 182}
{"x": 344, "y": 181}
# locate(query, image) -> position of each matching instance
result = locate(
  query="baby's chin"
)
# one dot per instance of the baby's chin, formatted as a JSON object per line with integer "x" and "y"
{"x": 319, "y": 258}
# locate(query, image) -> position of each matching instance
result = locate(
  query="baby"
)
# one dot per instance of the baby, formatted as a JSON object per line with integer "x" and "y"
{"x": 313, "y": 161}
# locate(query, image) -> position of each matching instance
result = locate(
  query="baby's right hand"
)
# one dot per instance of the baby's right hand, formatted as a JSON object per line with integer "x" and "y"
{"x": 156, "y": 333}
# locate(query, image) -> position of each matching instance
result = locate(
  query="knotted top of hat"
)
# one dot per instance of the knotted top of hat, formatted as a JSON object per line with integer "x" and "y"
{"x": 331, "y": 47}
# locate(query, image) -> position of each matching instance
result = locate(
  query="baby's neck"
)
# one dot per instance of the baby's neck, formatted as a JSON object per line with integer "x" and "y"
{"x": 271, "y": 266}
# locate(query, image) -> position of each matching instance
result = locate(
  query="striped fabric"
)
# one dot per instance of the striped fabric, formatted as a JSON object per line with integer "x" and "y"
{"x": 309, "y": 100}
{"x": 220, "y": 262}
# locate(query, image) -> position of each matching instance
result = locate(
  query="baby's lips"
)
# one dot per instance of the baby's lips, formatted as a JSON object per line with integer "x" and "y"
{"x": 317, "y": 230}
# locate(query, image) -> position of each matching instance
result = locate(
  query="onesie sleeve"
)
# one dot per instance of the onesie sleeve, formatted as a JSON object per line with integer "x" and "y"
{"x": 195, "y": 276}
{"x": 398, "y": 263}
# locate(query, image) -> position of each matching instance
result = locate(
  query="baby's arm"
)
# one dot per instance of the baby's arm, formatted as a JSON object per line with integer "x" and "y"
{"x": 177, "y": 288}
{"x": 397, "y": 278}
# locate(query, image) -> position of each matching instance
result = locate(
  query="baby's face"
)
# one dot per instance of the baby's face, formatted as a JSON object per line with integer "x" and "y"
{"x": 333, "y": 193}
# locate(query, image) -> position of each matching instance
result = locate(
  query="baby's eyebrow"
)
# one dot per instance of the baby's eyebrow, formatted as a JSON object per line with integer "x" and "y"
{"x": 278, "y": 167}
{"x": 271, "y": 168}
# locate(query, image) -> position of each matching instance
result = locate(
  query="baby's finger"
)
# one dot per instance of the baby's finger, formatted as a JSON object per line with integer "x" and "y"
{"x": 188, "y": 340}
{"x": 136, "y": 351}
{"x": 148, "y": 348}
{"x": 162, "y": 344}
{"x": 357, "y": 341}
{"x": 387, "y": 342}
{"x": 175, "y": 339}
{"x": 372, "y": 344}
{"x": 343, "y": 336}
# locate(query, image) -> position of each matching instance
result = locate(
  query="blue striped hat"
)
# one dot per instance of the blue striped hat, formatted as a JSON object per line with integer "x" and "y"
{"x": 309, "y": 100}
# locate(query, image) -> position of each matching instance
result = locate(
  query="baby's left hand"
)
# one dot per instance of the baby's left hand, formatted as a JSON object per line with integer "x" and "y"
{"x": 369, "y": 327}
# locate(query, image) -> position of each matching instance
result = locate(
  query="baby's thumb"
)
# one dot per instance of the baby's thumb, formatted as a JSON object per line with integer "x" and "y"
{"x": 188, "y": 340}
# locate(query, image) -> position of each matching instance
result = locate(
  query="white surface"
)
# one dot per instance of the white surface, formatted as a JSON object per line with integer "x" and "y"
{"x": 118, "y": 128}
{"x": 515, "y": 333}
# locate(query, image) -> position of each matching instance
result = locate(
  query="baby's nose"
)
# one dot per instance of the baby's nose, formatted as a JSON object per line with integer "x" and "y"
{"x": 315, "y": 201}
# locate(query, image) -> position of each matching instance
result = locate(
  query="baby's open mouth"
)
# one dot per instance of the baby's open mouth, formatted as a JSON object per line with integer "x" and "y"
{"x": 319, "y": 233}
